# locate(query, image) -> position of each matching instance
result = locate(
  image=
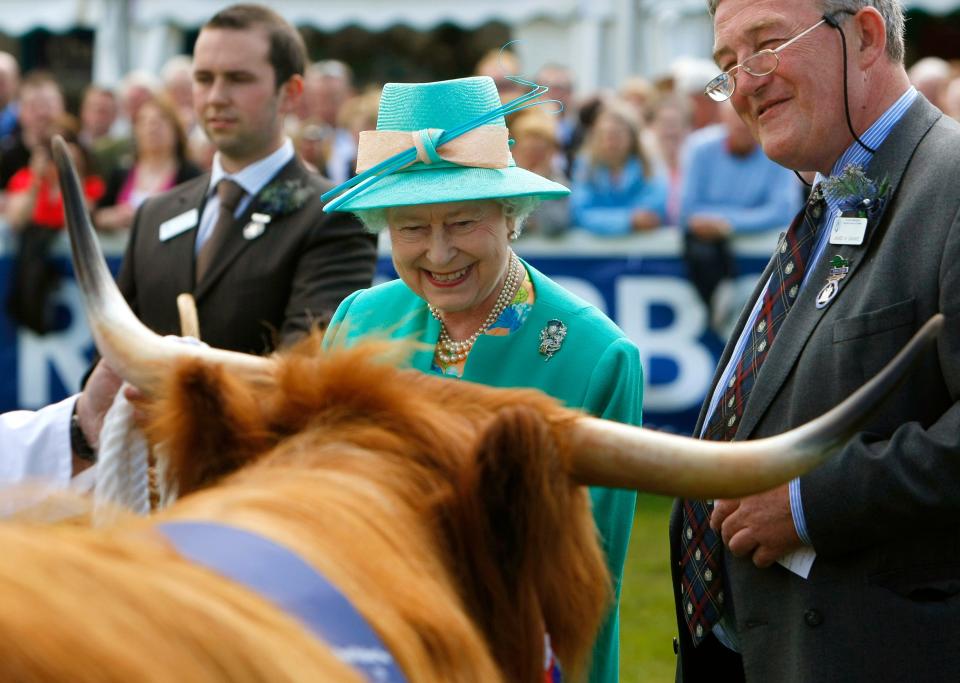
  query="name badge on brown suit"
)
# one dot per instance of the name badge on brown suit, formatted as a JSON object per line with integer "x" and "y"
{"x": 178, "y": 224}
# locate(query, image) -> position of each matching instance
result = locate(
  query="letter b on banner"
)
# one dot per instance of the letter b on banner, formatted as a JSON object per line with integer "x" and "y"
{"x": 677, "y": 341}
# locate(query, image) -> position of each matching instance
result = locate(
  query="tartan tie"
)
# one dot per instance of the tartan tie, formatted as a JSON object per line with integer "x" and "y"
{"x": 701, "y": 562}
{"x": 230, "y": 194}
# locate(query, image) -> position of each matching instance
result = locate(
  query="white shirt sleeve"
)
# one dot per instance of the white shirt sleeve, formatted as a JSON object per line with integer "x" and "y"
{"x": 36, "y": 445}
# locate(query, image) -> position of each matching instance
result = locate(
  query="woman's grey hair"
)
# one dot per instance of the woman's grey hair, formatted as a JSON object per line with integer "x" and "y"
{"x": 517, "y": 208}
{"x": 890, "y": 10}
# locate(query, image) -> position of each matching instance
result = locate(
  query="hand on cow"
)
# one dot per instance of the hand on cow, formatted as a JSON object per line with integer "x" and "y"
{"x": 95, "y": 400}
{"x": 760, "y": 526}
{"x": 137, "y": 399}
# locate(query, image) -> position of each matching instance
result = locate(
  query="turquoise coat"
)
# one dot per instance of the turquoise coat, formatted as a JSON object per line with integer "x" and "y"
{"x": 597, "y": 369}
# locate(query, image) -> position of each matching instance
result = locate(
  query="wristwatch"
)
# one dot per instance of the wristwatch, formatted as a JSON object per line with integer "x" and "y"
{"x": 78, "y": 440}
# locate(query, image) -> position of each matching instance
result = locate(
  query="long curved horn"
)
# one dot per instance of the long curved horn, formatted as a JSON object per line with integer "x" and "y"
{"x": 136, "y": 353}
{"x": 605, "y": 453}
{"x": 621, "y": 456}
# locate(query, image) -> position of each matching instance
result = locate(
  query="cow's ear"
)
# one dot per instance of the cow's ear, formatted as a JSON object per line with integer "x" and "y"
{"x": 523, "y": 540}
{"x": 207, "y": 424}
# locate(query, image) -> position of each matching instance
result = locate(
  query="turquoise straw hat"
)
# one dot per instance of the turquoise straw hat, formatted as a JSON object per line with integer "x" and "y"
{"x": 465, "y": 112}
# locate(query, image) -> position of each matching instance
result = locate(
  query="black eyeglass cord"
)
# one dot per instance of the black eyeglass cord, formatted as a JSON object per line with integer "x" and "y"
{"x": 832, "y": 21}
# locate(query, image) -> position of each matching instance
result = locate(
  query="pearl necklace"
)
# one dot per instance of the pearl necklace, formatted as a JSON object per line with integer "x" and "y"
{"x": 451, "y": 351}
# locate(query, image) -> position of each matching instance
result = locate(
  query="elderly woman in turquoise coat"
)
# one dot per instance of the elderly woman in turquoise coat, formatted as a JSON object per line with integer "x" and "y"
{"x": 438, "y": 176}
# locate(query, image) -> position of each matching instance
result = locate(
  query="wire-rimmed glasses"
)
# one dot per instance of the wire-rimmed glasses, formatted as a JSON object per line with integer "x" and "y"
{"x": 760, "y": 63}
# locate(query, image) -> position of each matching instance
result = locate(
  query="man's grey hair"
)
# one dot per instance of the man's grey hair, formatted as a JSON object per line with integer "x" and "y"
{"x": 517, "y": 208}
{"x": 890, "y": 10}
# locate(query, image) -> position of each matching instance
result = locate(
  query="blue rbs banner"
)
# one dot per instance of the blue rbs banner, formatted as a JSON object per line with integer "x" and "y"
{"x": 639, "y": 282}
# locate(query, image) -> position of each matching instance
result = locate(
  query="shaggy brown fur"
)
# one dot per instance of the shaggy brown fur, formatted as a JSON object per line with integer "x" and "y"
{"x": 442, "y": 509}
{"x": 87, "y": 607}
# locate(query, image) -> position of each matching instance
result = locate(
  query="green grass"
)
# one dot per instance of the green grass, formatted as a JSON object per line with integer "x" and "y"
{"x": 647, "y": 621}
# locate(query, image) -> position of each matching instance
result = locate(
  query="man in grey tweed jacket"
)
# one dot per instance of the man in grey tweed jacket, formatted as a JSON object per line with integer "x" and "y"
{"x": 882, "y": 599}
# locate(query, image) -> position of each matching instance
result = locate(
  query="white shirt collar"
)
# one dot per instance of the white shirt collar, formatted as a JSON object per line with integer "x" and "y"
{"x": 253, "y": 177}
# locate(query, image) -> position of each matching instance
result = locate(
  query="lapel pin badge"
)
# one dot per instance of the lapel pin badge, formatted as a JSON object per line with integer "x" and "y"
{"x": 839, "y": 267}
{"x": 551, "y": 338}
{"x": 256, "y": 226}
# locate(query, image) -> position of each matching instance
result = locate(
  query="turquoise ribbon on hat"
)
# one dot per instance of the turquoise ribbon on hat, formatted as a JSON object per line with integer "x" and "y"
{"x": 429, "y": 141}
{"x": 345, "y": 191}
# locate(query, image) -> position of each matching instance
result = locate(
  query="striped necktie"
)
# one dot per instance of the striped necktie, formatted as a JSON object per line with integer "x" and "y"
{"x": 701, "y": 562}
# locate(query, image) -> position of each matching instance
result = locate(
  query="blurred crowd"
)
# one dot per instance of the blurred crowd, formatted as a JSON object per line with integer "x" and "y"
{"x": 652, "y": 153}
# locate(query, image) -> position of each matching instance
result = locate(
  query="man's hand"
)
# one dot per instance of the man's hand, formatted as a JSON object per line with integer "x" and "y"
{"x": 709, "y": 228}
{"x": 137, "y": 399}
{"x": 644, "y": 220}
{"x": 96, "y": 399}
{"x": 760, "y": 526}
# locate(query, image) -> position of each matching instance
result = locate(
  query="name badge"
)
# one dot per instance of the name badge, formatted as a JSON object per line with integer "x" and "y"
{"x": 848, "y": 230}
{"x": 178, "y": 224}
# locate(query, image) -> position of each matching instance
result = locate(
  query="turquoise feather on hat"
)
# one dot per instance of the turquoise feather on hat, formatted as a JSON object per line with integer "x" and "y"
{"x": 475, "y": 164}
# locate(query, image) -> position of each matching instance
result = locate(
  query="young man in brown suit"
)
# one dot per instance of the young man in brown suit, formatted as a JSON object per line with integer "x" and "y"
{"x": 276, "y": 264}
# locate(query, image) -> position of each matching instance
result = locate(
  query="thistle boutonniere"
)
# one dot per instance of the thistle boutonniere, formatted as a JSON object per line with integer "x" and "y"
{"x": 855, "y": 193}
{"x": 282, "y": 197}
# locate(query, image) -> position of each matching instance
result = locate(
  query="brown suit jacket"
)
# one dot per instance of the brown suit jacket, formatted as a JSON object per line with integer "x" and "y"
{"x": 259, "y": 293}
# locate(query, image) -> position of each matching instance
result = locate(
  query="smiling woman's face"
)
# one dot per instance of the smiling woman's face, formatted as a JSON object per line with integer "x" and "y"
{"x": 453, "y": 255}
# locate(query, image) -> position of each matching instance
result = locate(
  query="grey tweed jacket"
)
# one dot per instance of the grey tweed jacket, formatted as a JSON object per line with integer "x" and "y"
{"x": 882, "y": 602}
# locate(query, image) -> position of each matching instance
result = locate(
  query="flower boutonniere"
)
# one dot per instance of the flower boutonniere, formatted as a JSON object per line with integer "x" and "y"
{"x": 282, "y": 197}
{"x": 855, "y": 193}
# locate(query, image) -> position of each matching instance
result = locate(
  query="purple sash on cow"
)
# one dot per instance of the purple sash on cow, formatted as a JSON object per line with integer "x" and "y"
{"x": 282, "y": 577}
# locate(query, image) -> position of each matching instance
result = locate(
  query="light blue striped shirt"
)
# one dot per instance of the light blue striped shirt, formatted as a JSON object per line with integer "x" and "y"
{"x": 855, "y": 154}
{"x": 252, "y": 179}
